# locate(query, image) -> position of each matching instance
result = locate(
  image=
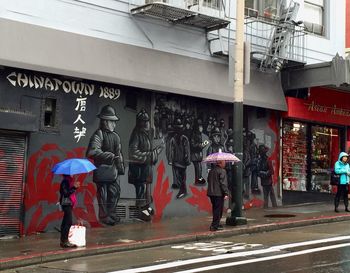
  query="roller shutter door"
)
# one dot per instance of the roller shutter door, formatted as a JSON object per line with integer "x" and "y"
{"x": 12, "y": 158}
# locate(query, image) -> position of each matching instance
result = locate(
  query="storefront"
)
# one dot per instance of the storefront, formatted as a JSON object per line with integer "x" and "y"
{"x": 313, "y": 134}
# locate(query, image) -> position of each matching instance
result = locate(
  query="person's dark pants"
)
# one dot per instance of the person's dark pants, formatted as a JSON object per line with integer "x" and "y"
{"x": 342, "y": 192}
{"x": 140, "y": 190}
{"x": 269, "y": 192}
{"x": 108, "y": 195}
{"x": 246, "y": 187}
{"x": 180, "y": 178}
{"x": 66, "y": 223}
{"x": 197, "y": 170}
{"x": 217, "y": 203}
{"x": 254, "y": 182}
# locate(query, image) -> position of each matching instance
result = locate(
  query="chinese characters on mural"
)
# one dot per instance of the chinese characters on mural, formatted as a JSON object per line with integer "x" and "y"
{"x": 80, "y": 108}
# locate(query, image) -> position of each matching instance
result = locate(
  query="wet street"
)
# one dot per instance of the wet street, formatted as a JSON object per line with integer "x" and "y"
{"x": 313, "y": 249}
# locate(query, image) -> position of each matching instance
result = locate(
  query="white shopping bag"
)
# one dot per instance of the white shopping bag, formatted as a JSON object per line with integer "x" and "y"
{"x": 77, "y": 235}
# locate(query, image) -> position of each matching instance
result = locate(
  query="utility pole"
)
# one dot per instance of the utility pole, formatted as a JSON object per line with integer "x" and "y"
{"x": 236, "y": 217}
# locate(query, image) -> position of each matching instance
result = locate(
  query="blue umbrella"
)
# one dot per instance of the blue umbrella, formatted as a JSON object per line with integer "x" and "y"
{"x": 73, "y": 166}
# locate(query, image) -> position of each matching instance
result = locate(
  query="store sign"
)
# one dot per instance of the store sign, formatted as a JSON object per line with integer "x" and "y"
{"x": 323, "y": 105}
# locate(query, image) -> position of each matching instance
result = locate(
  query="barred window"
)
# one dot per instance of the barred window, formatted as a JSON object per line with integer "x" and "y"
{"x": 265, "y": 8}
{"x": 314, "y": 16}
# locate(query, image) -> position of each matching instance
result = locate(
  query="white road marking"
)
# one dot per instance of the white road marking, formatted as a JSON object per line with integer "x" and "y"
{"x": 275, "y": 257}
{"x": 230, "y": 249}
{"x": 216, "y": 246}
{"x": 233, "y": 255}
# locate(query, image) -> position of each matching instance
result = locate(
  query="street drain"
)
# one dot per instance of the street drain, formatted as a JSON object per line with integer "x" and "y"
{"x": 280, "y": 215}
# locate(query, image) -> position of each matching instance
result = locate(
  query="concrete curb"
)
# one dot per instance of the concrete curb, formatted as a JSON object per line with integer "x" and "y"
{"x": 50, "y": 256}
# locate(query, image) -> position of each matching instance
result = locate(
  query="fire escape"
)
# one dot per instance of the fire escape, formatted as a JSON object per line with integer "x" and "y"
{"x": 277, "y": 42}
{"x": 187, "y": 12}
{"x": 205, "y": 14}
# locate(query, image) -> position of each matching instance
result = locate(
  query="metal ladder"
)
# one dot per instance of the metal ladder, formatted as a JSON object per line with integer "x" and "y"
{"x": 221, "y": 46}
{"x": 281, "y": 36}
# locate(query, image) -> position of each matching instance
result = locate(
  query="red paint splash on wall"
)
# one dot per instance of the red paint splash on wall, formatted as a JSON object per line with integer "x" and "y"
{"x": 161, "y": 196}
{"x": 274, "y": 157}
{"x": 199, "y": 199}
{"x": 41, "y": 191}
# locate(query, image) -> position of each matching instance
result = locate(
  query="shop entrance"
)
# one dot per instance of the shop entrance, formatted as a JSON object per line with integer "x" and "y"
{"x": 12, "y": 158}
{"x": 325, "y": 148}
{"x": 309, "y": 153}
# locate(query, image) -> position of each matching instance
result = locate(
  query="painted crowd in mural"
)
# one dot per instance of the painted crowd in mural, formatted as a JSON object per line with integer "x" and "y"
{"x": 148, "y": 148}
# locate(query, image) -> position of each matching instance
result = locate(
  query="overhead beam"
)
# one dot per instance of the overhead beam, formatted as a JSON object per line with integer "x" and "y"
{"x": 334, "y": 73}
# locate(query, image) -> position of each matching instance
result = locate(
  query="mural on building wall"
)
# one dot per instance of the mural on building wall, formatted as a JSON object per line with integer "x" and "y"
{"x": 151, "y": 153}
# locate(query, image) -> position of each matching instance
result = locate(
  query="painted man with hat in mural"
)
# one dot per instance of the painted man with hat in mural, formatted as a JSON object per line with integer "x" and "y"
{"x": 197, "y": 146}
{"x": 179, "y": 158}
{"x": 215, "y": 144}
{"x": 265, "y": 172}
{"x": 142, "y": 157}
{"x": 106, "y": 151}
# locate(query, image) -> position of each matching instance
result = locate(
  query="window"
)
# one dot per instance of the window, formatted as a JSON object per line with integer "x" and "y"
{"x": 49, "y": 114}
{"x": 265, "y": 8}
{"x": 314, "y": 16}
{"x": 214, "y": 4}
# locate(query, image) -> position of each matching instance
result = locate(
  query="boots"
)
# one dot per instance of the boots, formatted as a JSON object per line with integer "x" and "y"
{"x": 67, "y": 245}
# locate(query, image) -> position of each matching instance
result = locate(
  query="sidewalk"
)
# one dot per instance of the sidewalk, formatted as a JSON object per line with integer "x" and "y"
{"x": 44, "y": 247}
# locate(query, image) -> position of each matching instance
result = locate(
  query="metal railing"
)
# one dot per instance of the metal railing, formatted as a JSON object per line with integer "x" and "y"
{"x": 259, "y": 30}
{"x": 208, "y": 7}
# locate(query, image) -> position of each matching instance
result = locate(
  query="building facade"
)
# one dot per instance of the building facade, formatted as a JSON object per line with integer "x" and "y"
{"x": 66, "y": 66}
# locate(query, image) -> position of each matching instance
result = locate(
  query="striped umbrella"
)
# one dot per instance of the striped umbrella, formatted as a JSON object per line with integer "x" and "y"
{"x": 220, "y": 156}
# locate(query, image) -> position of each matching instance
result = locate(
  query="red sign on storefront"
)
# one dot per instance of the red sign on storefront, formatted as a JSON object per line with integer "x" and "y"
{"x": 323, "y": 105}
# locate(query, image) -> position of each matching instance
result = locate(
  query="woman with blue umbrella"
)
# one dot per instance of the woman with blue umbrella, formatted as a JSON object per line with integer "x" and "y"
{"x": 68, "y": 201}
{"x": 68, "y": 189}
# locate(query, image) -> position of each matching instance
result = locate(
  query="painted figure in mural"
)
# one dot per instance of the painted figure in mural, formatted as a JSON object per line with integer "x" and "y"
{"x": 265, "y": 172}
{"x": 197, "y": 145}
{"x": 215, "y": 144}
{"x": 254, "y": 158}
{"x": 163, "y": 120}
{"x": 179, "y": 158}
{"x": 68, "y": 201}
{"x": 209, "y": 126}
{"x": 229, "y": 166}
{"x": 188, "y": 128}
{"x": 217, "y": 192}
{"x": 342, "y": 167}
{"x": 246, "y": 167}
{"x": 106, "y": 151}
{"x": 142, "y": 157}
{"x": 156, "y": 118}
{"x": 224, "y": 136}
